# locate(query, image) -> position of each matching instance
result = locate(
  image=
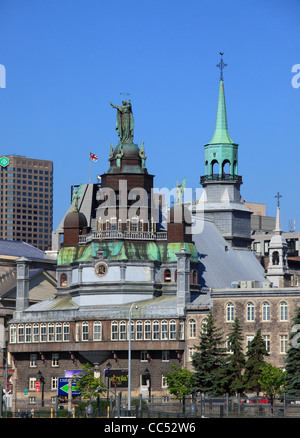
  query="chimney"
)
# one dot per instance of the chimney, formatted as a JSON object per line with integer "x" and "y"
{"x": 183, "y": 280}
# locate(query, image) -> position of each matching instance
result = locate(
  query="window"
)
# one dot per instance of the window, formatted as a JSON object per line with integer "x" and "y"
{"x": 164, "y": 330}
{"x": 36, "y": 333}
{"x": 267, "y": 342}
{"x": 123, "y": 331}
{"x": 230, "y": 312}
{"x": 181, "y": 330}
{"x": 85, "y": 331}
{"x": 155, "y": 330}
{"x": 283, "y": 311}
{"x": 266, "y": 311}
{"x": 143, "y": 356}
{"x": 31, "y": 385}
{"x": 167, "y": 276}
{"x": 43, "y": 332}
{"x": 131, "y": 330}
{"x": 51, "y": 332}
{"x": 53, "y": 383}
{"x": 55, "y": 360}
{"x": 114, "y": 330}
{"x": 58, "y": 332}
{"x": 66, "y": 332}
{"x": 283, "y": 343}
{"x": 249, "y": 339}
{"x": 172, "y": 329}
{"x": 250, "y": 311}
{"x": 139, "y": 330}
{"x": 165, "y": 356}
{"x": 191, "y": 352}
{"x": 147, "y": 330}
{"x": 63, "y": 280}
{"x": 97, "y": 331}
{"x": 33, "y": 360}
{"x": 192, "y": 328}
{"x": 27, "y": 333}
{"x": 13, "y": 334}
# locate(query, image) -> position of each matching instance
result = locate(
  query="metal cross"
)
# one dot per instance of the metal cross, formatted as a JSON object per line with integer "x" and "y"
{"x": 278, "y": 196}
{"x": 221, "y": 65}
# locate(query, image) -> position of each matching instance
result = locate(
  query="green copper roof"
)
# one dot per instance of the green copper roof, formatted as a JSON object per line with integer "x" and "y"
{"x": 126, "y": 250}
{"x": 221, "y": 134}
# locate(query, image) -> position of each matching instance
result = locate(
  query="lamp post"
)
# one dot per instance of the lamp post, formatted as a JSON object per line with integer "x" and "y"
{"x": 5, "y": 358}
{"x": 148, "y": 380}
{"x": 42, "y": 380}
{"x": 129, "y": 357}
{"x": 108, "y": 367}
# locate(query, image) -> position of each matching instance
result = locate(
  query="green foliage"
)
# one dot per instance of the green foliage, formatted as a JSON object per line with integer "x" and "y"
{"x": 87, "y": 383}
{"x": 293, "y": 360}
{"x": 180, "y": 382}
{"x": 210, "y": 360}
{"x": 236, "y": 360}
{"x": 272, "y": 380}
{"x": 255, "y": 360}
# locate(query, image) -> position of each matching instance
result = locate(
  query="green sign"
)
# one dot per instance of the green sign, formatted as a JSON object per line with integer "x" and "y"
{"x": 4, "y": 161}
{"x": 26, "y": 391}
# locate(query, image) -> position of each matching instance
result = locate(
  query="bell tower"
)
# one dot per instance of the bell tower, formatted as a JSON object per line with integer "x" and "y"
{"x": 221, "y": 200}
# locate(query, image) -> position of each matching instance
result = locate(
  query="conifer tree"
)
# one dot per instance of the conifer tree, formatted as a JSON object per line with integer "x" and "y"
{"x": 255, "y": 360}
{"x": 293, "y": 359}
{"x": 209, "y": 360}
{"x": 236, "y": 362}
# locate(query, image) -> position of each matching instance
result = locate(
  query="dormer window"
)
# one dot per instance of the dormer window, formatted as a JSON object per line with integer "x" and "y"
{"x": 63, "y": 280}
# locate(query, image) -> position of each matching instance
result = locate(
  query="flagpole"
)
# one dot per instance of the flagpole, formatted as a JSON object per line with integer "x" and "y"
{"x": 90, "y": 168}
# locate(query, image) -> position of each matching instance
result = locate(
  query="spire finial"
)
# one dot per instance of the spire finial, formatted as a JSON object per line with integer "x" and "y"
{"x": 221, "y": 65}
{"x": 278, "y": 196}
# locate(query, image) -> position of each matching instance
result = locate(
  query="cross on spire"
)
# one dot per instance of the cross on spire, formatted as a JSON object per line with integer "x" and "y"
{"x": 278, "y": 196}
{"x": 221, "y": 65}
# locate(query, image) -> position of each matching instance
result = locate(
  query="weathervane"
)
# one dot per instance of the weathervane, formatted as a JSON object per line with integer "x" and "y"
{"x": 221, "y": 65}
{"x": 278, "y": 196}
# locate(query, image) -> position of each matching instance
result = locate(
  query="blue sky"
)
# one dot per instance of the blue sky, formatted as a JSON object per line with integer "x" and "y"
{"x": 66, "y": 59}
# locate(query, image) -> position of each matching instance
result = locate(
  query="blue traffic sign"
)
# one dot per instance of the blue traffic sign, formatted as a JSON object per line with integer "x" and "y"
{"x": 63, "y": 386}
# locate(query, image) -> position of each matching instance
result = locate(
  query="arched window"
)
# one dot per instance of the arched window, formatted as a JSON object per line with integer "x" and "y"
{"x": 13, "y": 333}
{"x": 194, "y": 277}
{"x": 21, "y": 333}
{"x": 139, "y": 330}
{"x": 43, "y": 332}
{"x": 63, "y": 280}
{"x": 66, "y": 332}
{"x": 266, "y": 316}
{"x": 172, "y": 329}
{"x": 114, "y": 331}
{"x": 167, "y": 276}
{"x": 28, "y": 333}
{"x": 155, "y": 330}
{"x": 283, "y": 311}
{"x": 147, "y": 331}
{"x": 164, "y": 329}
{"x": 97, "y": 332}
{"x": 85, "y": 331}
{"x": 230, "y": 312}
{"x": 51, "y": 332}
{"x": 214, "y": 168}
{"x": 275, "y": 258}
{"x": 122, "y": 334}
{"x": 36, "y": 333}
{"x": 250, "y": 311}
{"x": 192, "y": 328}
{"x": 58, "y": 332}
{"x": 226, "y": 167}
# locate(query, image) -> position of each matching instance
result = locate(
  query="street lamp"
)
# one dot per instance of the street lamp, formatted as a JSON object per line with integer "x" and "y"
{"x": 129, "y": 357}
{"x": 108, "y": 367}
{"x": 6, "y": 361}
{"x": 148, "y": 380}
{"x": 42, "y": 380}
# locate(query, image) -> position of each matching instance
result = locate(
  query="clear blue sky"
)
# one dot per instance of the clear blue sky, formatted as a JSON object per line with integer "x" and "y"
{"x": 66, "y": 59}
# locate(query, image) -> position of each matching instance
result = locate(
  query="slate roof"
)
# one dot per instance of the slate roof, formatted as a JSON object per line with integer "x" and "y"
{"x": 220, "y": 263}
{"x": 20, "y": 249}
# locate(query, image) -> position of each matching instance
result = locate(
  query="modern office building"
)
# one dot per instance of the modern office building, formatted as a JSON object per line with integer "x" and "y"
{"x": 26, "y": 200}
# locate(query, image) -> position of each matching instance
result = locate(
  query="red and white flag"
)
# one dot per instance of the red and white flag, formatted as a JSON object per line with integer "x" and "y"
{"x": 93, "y": 157}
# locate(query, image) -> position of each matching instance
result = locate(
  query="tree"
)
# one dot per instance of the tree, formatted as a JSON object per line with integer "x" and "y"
{"x": 293, "y": 360}
{"x": 209, "y": 361}
{"x": 272, "y": 380}
{"x": 180, "y": 382}
{"x": 236, "y": 361}
{"x": 255, "y": 360}
{"x": 87, "y": 383}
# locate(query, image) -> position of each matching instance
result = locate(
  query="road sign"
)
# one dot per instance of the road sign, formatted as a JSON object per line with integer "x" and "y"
{"x": 37, "y": 386}
{"x": 26, "y": 391}
{"x": 63, "y": 386}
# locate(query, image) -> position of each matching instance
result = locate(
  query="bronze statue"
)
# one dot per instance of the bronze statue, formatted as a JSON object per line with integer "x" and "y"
{"x": 125, "y": 122}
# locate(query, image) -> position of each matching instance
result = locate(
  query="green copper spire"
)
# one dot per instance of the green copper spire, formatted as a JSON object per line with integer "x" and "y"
{"x": 221, "y": 134}
{"x": 221, "y": 153}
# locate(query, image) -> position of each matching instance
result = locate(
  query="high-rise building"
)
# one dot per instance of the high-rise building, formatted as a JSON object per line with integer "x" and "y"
{"x": 26, "y": 200}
